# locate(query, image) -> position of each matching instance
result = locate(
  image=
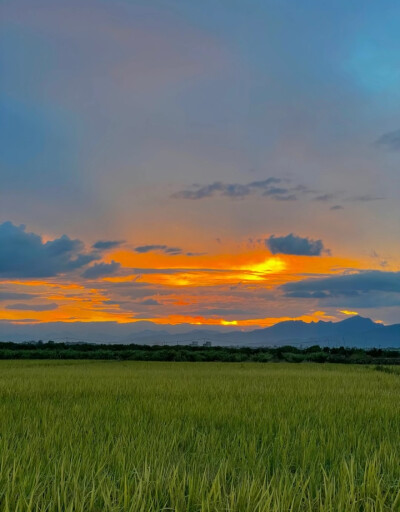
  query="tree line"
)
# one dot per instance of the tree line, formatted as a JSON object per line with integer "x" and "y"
{"x": 134, "y": 352}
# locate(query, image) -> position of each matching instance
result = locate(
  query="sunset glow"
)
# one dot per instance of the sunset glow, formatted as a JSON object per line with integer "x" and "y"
{"x": 176, "y": 168}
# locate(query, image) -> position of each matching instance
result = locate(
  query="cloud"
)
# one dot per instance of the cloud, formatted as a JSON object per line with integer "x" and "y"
{"x": 336, "y": 207}
{"x": 198, "y": 192}
{"x": 280, "y": 194}
{"x": 131, "y": 290}
{"x": 324, "y": 197}
{"x": 25, "y": 254}
{"x": 369, "y": 289}
{"x": 265, "y": 183}
{"x": 149, "y": 302}
{"x": 265, "y": 187}
{"x": 348, "y": 285}
{"x": 16, "y": 296}
{"x": 33, "y": 307}
{"x": 101, "y": 270}
{"x": 224, "y": 312}
{"x": 273, "y": 188}
{"x": 172, "y": 251}
{"x": 113, "y": 302}
{"x": 364, "y": 198}
{"x": 296, "y": 245}
{"x": 390, "y": 140}
{"x": 104, "y": 245}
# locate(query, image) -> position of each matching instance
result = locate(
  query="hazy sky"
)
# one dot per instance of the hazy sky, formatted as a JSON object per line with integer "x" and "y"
{"x": 216, "y": 162}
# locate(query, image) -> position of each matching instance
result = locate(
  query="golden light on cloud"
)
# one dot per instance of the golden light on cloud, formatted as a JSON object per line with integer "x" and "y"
{"x": 187, "y": 284}
{"x": 268, "y": 266}
{"x": 260, "y": 271}
{"x": 213, "y": 269}
{"x": 349, "y": 313}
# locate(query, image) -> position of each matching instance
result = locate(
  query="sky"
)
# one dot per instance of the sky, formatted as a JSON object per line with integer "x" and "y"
{"x": 215, "y": 163}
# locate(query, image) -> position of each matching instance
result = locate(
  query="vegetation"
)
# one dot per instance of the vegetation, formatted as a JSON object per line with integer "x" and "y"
{"x": 52, "y": 350}
{"x": 144, "y": 437}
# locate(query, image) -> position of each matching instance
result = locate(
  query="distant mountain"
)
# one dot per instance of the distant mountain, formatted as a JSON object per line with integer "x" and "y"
{"x": 356, "y": 324}
{"x": 346, "y": 332}
{"x": 352, "y": 332}
{"x": 386, "y": 336}
{"x": 94, "y": 332}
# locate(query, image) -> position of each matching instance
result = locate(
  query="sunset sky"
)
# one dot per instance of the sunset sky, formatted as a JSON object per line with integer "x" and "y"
{"x": 224, "y": 162}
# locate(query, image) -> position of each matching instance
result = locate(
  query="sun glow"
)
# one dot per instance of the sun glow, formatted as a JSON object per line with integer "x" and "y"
{"x": 181, "y": 289}
{"x": 269, "y": 266}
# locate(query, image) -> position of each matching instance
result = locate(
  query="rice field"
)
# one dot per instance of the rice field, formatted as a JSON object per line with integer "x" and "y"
{"x": 210, "y": 437}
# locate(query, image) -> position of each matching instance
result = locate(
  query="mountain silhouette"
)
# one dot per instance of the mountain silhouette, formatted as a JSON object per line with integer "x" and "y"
{"x": 355, "y": 331}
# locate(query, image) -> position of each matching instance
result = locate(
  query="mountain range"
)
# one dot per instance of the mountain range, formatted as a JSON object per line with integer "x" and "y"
{"x": 355, "y": 331}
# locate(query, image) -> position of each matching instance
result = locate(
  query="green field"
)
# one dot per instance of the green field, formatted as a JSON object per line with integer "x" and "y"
{"x": 136, "y": 436}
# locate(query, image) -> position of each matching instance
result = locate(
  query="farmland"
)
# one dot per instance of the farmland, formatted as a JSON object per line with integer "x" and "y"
{"x": 209, "y": 437}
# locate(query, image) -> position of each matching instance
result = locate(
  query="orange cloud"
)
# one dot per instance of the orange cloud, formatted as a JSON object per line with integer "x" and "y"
{"x": 187, "y": 283}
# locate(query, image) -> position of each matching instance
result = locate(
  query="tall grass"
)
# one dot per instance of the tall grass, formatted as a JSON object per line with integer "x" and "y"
{"x": 209, "y": 437}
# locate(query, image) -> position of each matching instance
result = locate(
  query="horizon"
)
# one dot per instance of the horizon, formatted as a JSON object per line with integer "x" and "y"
{"x": 201, "y": 165}
{"x": 148, "y": 326}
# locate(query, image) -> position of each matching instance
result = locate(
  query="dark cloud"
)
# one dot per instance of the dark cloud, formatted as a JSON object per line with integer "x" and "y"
{"x": 324, "y": 197}
{"x": 273, "y": 188}
{"x": 25, "y": 254}
{"x": 33, "y": 307}
{"x": 287, "y": 197}
{"x": 390, "y": 140}
{"x": 113, "y": 302}
{"x": 149, "y": 302}
{"x": 172, "y": 251}
{"x": 336, "y": 207}
{"x": 265, "y": 187}
{"x": 104, "y": 245}
{"x": 306, "y": 295}
{"x": 370, "y": 289}
{"x": 224, "y": 312}
{"x": 364, "y": 198}
{"x": 296, "y": 245}
{"x": 265, "y": 183}
{"x": 101, "y": 270}
{"x": 16, "y": 296}
{"x": 200, "y": 192}
{"x": 145, "y": 316}
{"x": 348, "y": 285}
{"x": 276, "y": 191}
{"x": 131, "y": 290}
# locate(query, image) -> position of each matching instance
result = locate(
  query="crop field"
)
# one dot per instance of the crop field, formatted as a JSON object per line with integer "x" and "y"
{"x": 210, "y": 437}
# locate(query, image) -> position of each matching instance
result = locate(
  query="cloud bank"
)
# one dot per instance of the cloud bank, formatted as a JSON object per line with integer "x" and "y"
{"x": 172, "y": 251}
{"x": 99, "y": 270}
{"x": 33, "y": 307}
{"x": 25, "y": 254}
{"x": 267, "y": 188}
{"x": 294, "y": 245}
{"x": 371, "y": 288}
{"x": 16, "y": 296}
{"x": 104, "y": 245}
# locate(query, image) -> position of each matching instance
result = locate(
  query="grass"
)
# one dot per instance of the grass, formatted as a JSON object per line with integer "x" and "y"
{"x": 210, "y": 437}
